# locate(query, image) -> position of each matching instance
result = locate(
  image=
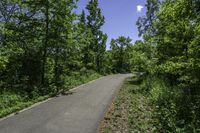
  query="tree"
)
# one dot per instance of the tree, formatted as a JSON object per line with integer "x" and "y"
{"x": 61, "y": 37}
{"x": 23, "y": 38}
{"x": 145, "y": 23}
{"x": 119, "y": 50}
{"x": 40, "y": 35}
{"x": 95, "y": 22}
{"x": 172, "y": 35}
{"x": 7, "y": 9}
{"x": 140, "y": 57}
{"x": 85, "y": 37}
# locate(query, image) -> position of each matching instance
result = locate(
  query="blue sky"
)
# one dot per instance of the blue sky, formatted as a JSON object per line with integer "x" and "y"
{"x": 120, "y": 17}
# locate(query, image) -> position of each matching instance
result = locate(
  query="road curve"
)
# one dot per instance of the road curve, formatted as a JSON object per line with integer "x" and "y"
{"x": 80, "y": 112}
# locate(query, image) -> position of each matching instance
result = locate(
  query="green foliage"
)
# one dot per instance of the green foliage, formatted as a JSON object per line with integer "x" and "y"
{"x": 174, "y": 110}
{"x": 46, "y": 48}
{"x": 140, "y": 57}
{"x": 120, "y": 54}
{"x": 145, "y": 23}
{"x": 130, "y": 110}
{"x": 3, "y": 60}
{"x": 98, "y": 42}
{"x": 11, "y": 101}
{"x": 170, "y": 56}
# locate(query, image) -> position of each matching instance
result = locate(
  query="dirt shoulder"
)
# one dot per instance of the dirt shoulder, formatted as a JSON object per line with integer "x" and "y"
{"x": 130, "y": 111}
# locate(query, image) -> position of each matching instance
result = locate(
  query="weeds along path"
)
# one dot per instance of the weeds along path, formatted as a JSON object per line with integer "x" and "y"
{"x": 130, "y": 111}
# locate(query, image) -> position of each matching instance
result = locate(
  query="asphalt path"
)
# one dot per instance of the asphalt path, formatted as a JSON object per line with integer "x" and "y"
{"x": 79, "y": 112}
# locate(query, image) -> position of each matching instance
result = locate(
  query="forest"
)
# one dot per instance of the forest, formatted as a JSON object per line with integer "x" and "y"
{"x": 46, "y": 49}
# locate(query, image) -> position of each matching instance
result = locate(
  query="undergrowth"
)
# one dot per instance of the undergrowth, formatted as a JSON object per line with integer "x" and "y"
{"x": 12, "y": 101}
{"x": 176, "y": 111}
{"x": 149, "y": 104}
{"x": 130, "y": 112}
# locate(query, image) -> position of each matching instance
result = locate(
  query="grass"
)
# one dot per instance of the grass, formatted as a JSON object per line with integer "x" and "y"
{"x": 12, "y": 102}
{"x": 176, "y": 110}
{"x": 130, "y": 112}
{"x": 149, "y": 104}
{"x": 20, "y": 105}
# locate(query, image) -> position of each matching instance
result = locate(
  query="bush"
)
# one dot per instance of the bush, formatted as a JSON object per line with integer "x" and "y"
{"x": 10, "y": 99}
{"x": 175, "y": 110}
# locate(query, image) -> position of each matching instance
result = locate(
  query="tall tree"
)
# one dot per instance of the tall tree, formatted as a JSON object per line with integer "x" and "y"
{"x": 61, "y": 36}
{"x": 85, "y": 37}
{"x": 119, "y": 50}
{"x": 95, "y": 22}
{"x": 174, "y": 33}
{"x": 145, "y": 23}
{"x": 7, "y": 9}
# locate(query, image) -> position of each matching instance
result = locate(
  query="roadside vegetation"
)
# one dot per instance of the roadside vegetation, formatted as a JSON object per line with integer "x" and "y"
{"x": 131, "y": 111}
{"x": 171, "y": 30}
{"x": 169, "y": 55}
{"x": 47, "y": 48}
{"x": 14, "y": 101}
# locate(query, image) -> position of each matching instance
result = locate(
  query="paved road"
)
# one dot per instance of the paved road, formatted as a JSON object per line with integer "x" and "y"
{"x": 80, "y": 112}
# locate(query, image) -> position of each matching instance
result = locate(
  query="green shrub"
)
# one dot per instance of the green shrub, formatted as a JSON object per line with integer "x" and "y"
{"x": 175, "y": 110}
{"x": 10, "y": 99}
{"x": 12, "y": 102}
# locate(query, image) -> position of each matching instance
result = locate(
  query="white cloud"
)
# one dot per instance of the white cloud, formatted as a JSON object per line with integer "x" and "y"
{"x": 139, "y": 8}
